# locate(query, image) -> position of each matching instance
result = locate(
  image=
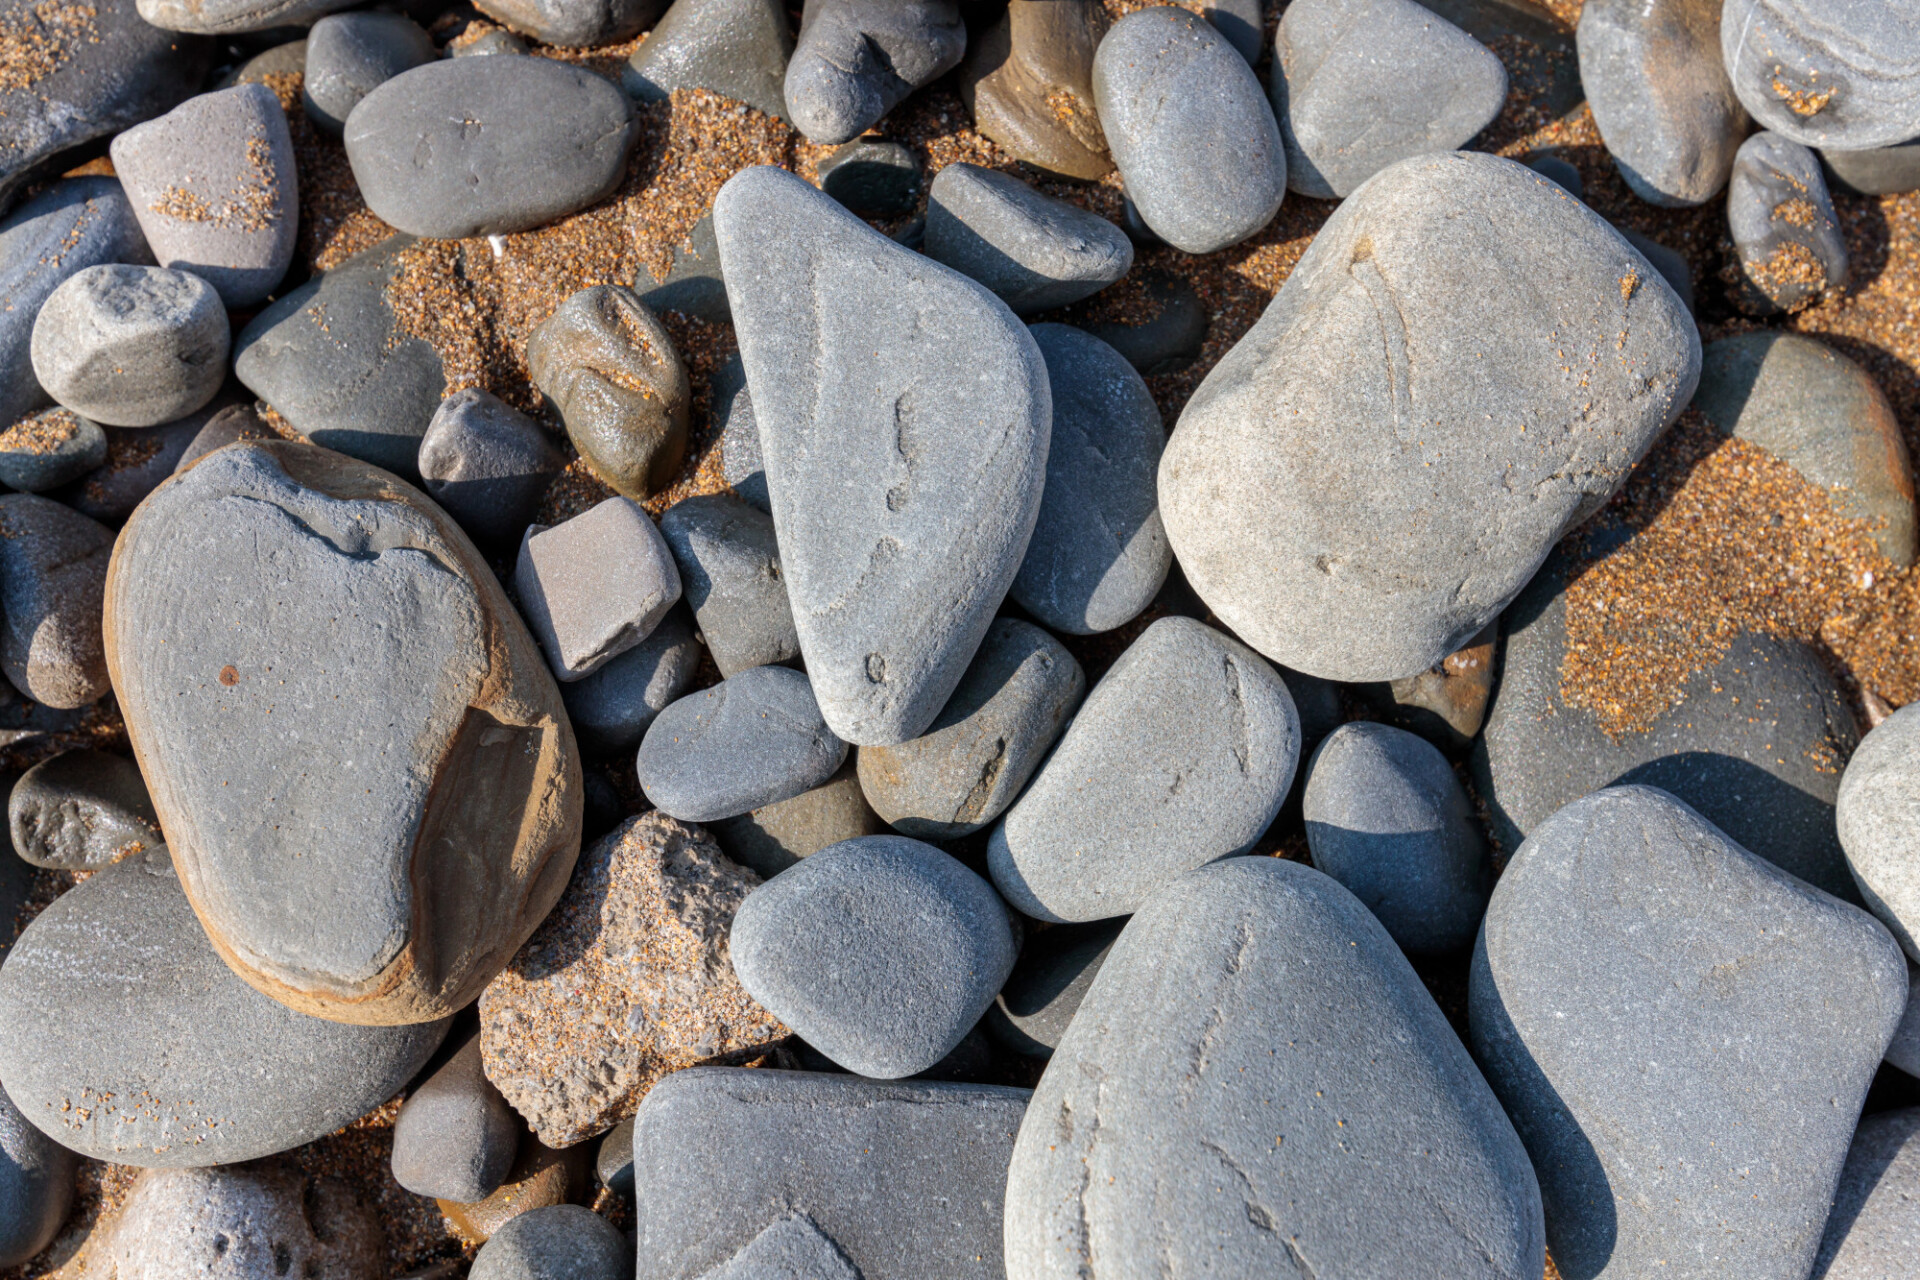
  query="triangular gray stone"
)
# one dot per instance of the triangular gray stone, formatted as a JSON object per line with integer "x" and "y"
{"x": 792, "y": 1248}
{"x": 737, "y": 48}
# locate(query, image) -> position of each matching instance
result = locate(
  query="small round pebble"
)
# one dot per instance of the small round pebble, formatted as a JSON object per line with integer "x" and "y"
{"x": 753, "y": 739}
{"x": 81, "y": 811}
{"x": 1784, "y": 228}
{"x": 1034, "y": 251}
{"x": 131, "y": 346}
{"x": 45, "y": 450}
{"x": 874, "y": 177}
{"x": 561, "y": 1242}
{"x": 456, "y": 1137}
{"x": 349, "y": 55}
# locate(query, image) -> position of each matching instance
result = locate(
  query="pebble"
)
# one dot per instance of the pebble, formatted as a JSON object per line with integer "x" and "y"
{"x": 732, "y": 411}
{"x": 45, "y": 450}
{"x": 627, "y": 981}
{"x": 790, "y": 1246}
{"x": 856, "y": 59}
{"x": 81, "y": 811}
{"x": 488, "y": 44}
{"x": 1173, "y": 333}
{"x": 1189, "y": 129}
{"x": 1880, "y": 171}
{"x": 693, "y": 284}
{"x": 1388, "y": 819}
{"x": 1874, "y": 1229}
{"x": 1904, "y": 1051}
{"x": 595, "y": 586}
{"x": 1671, "y": 265}
{"x": 131, "y": 346}
{"x": 131, "y": 1041}
{"x": 397, "y": 656}
{"x": 1028, "y": 82}
{"x": 330, "y": 359}
{"x": 1055, "y": 971}
{"x": 541, "y": 1176}
{"x": 214, "y": 186}
{"x": 904, "y": 1180}
{"x": 614, "y": 1163}
{"x": 575, "y": 23}
{"x": 730, "y": 566}
{"x": 1561, "y": 173}
{"x": 773, "y": 837}
{"x": 753, "y": 739}
{"x": 612, "y": 706}
{"x": 1445, "y": 704}
{"x": 1364, "y": 539}
{"x": 1204, "y": 1112}
{"x": 1876, "y": 813}
{"x": 36, "y": 1178}
{"x": 1036, "y": 252}
{"x": 874, "y": 177}
{"x": 1358, "y": 85}
{"x": 1785, "y": 231}
{"x": 608, "y": 367}
{"x": 1661, "y": 98}
{"x": 1684, "y": 1035}
{"x": 349, "y": 55}
{"x": 1821, "y": 79}
{"x": 230, "y": 17}
{"x": 230, "y": 424}
{"x": 258, "y": 1222}
{"x": 559, "y": 1242}
{"x": 487, "y": 146}
{"x": 456, "y": 1137}
{"x": 903, "y": 500}
{"x": 53, "y": 573}
{"x": 1016, "y": 696}
{"x": 281, "y": 60}
{"x": 736, "y": 48}
{"x": 488, "y": 464}
{"x": 1182, "y": 754}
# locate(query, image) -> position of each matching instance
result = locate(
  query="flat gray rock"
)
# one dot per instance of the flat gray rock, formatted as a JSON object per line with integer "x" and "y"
{"x": 1878, "y": 817}
{"x": 880, "y": 952}
{"x": 750, "y": 740}
{"x": 1259, "y": 1085}
{"x": 81, "y": 811}
{"x": 53, "y": 573}
{"x": 1874, "y": 1229}
{"x": 595, "y": 586}
{"x": 1036, "y": 252}
{"x": 488, "y": 464}
{"x": 773, "y": 837}
{"x": 456, "y": 1137}
{"x": 557, "y": 1242}
{"x": 1683, "y": 1034}
{"x": 228, "y": 17}
{"x": 1784, "y": 228}
{"x": 1055, "y": 971}
{"x": 47, "y": 449}
{"x": 1189, "y": 129}
{"x": 36, "y": 1181}
{"x": 903, "y": 417}
{"x": 259, "y": 1222}
{"x": 130, "y": 346}
{"x": 730, "y": 568}
{"x": 576, "y": 23}
{"x": 1825, "y": 75}
{"x": 349, "y": 55}
{"x": 736, "y": 48}
{"x": 1182, "y": 754}
{"x": 1351, "y": 488}
{"x": 791, "y": 1248}
{"x": 1880, "y": 171}
{"x": 906, "y": 1180}
{"x": 480, "y": 146}
{"x": 612, "y": 707}
{"x": 856, "y": 59}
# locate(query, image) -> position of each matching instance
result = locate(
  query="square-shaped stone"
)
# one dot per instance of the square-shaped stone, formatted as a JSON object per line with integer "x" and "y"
{"x": 595, "y": 586}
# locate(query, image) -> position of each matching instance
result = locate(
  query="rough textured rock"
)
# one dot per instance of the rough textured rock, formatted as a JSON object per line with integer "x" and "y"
{"x": 1878, "y": 817}
{"x": 1874, "y": 1229}
{"x": 1028, "y": 80}
{"x": 773, "y": 837}
{"x": 856, "y": 59}
{"x": 790, "y": 1246}
{"x": 1683, "y": 1035}
{"x": 576, "y": 23}
{"x": 131, "y": 346}
{"x": 594, "y": 586}
{"x": 1881, "y": 171}
{"x": 1172, "y": 333}
{"x": 53, "y": 571}
{"x": 737, "y": 48}
{"x": 1825, "y": 76}
{"x": 1203, "y": 1109}
{"x": 487, "y": 463}
{"x": 628, "y": 980}
{"x": 258, "y": 1222}
{"x": 751, "y": 740}
{"x": 1181, "y": 755}
{"x": 1445, "y": 704}
{"x": 456, "y": 1137}
{"x": 933, "y": 456}
{"x": 1053, "y": 975}
{"x": 1785, "y": 231}
{"x": 1036, "y": 252}
{"x": 730, "y": 567}
{"x": 81, "y": 811}
{"x": 560, "y": 1242}
{"x": 36, "y": 1177}
{"x": 329, "y": 592}
{"x": 612, "y": 707}
{"x": 349, "y": 55}
{"x": 874, "y": 177}
{"x": 45, "y": 450}
{"x": 1374, "y": 558}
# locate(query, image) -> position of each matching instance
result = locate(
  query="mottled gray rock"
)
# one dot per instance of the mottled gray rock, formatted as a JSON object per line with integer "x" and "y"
{"x": 1170, "y": 334}
{"x": 1360, "y": 84}
{"x": 1036, "y": 252}
{"x": 558, "y": 1242}
{"x": 730, "y": 568}
{"x": 904, "y": 498}
{"x": 214, "y": 186}
{"x": 349, "y": 55}
{"x": 487, "y": 464}
{"x": 258, "y": 1222}
{"x": 881, "y": 952}
{"x": 1189, "y": 129}
{"x": 1874, "y": 1229}
{"x": 53, "y": 571}
{"x": 732, "y": 410}
{"x": 612, "y": 707}
{"x": 1825, "y": 76}
{"x": 575, "y": 23}
{"x": 693, "y": 284}
{"x": 456, "y": 1137}
{"x": 595, "y": 586}
{"x": 857, "y": 58}
{"x": 1053, "y": 975}
{"x": 773, "y": 837}
{"x": 47, "y": 449}
{"x": 1206, "y": 1110}
{"x": 736, "y": 48}
{"x": 1351, "y": 488}
{"x": 1181, "y": 755}
{"x": 1904, "y": 1050}
{"x": 36, "y": 1180}
{"x": 1028, "y": 82}
{"x": 1784, "y": 228}
{"x": 753, "y": 739}
{"x": 130, "y": 1040}
{"x": 228, "y": 17}
{"x": 1683, "y": 1035}
{"x": 1881, "y": 171}
{"x": 82, "y": 810}
{"x": 874, "y": 177}
{"x": 479, "y": 146}
{"x": 131, "y": 346}
{"x": 1878, "y": 817}
{"x": 1018, "y": 693}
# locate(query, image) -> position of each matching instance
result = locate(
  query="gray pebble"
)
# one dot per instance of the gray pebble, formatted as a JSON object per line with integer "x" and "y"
{"x": 1904, "y": 1050}
{"x": 595, "y": 586}
{"x": 1036, "y": 252}
{"x": 1784, "y": 228}
{"x": 732, "y": 410}
{"x": 1683, "y": 1035}
{"x": 730, "y": 566}
{"x": 1874, "y": 1229}
{"x": 47, "y": 449}
{"x": 1171, "y": 336}
{"x": 488, "y": 464}
{"x": 285, "y": 59}
{"x": 230, "y": 424}
{"x": 612, "y": 707}
{"x": 790, "y": 1246}
{"x": 1878, "y": 817}
{"x": 349, "y": 55}
{"x": 81, "y": 811}
{"x": 857, "y": 58}
{"x": 228, "y": 17}
{"x": 557, "y": 1242}
{"x": 1055, "y": 971}
{"x": 874, "y": 177}
{"x": 1189, "y": 129}
{"x": 736, "y": 48}
{"x": 1825, "y": 76}
{"x": 693, "y": 284}
{"x": 456, "y": 1137}
{"x": 131, "y": 346}
{"x": 487, "y": 44}
{"x": 1671, "y": 265}
{"x": 1181, "y": 755}
{"x": 1882, "y": 171}
{"x": 1241, "y": 22}
{"x": 753, "y": 739}
{"x": 36, "y": 1180}
{"x": 575, "y": 23}
{"x": 265, "y": 1221}
{"x": 1561, "y": 173}
{"x": 773, "y": 837}
{"x": 613, "y": 1164}
{"x": 16, "y": 876}
{"x": 53, "y": 573}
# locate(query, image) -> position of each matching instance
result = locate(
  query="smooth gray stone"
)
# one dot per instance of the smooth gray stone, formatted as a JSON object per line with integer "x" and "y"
{"x": 131, "y": 1041}
{"x": 856, "y": 59}
{"x": 1388, "y": 819}
{"x": 773, "y": 837}
{"x": 330, "y": 359}
{"x": 1660, "y": 96}
{"x": 1055, "y": 971}
{"x": 730, "y": 571}
{"x": 1878, "y": 818}
{"x": 1671, "y": 265}
{"x": 131, "y": 346}
{"x": 1882, "y": 171}
{"x": 214, "y": 185}
{"x": 1904, "y": 1050}
{"x": 1683, "y": 1035}
{"x": 53, "y": 574}
{"x": 881, "y": 952}
{"x": 1350, "y": 489}
{"x": 612, "y": 707}
{"x": 613, "y": 1163}
{"x": 1099, "y": 554}
{"x": 1784, "y": 228}
{"x": 488, "y": 464}
{"x": 1182, "y": 754}
{"x": 556, "y": 1242}
{"x": 874, "y": 177}
{"x": 349, "y": 55}
{"x": 1189, "y": 129}
{"x": 575, "y": 23}
{"x": 1874, "y": 1229}
{"x": 81, "y": 811}
{"x": 749, "y": 741}
{"x": 1359, "y": 85}
{"x": 46, "y": 450}
{"x": 481, "y": 146}
{"x": 1241, "y": 22}
{"x": 1017, "y": 695}
{"x": 1825, "y": 75}
{"x": 1259, "y": 1085}
{"x": 1553, "y": 60}
{"x": 1171, "y": 338}
{"x": 36, "y": 1180}
{"x": 791, "y": 1248}
{"x": 693, "y": 284}
{"x": 282, "y": 59}
{"x": 736, "y": 48}
{"x": 903, "y": 421}
{"x": 594, "y": 586}
{"x": 1561, "y": 173}
{"x": 456, "y": 1137}
{"x": 732, "y": 410}
{"x": 489, "y": 44}
{"x": 1036, "y": 252}
{"x": 229, "y": 17}
{"x": 264, "y": 1221}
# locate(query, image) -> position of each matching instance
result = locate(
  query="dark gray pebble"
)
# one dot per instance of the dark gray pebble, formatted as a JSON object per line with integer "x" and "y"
{"x": 1053, "y": 975}
{"x": 1036, "y": 252}
{"x": 576, "y": 23}
{"x": 36, "y": 1179}
{"x": 730, "y": 573}
{"x": 874, "y": 177}
{"x": 556, "y": 1242}
{"x": 456, "y": 1137}
{"x": 1784, "y": 228}
{"x": 228, "y": 425}
{"x": 736, "y": 48}
{"x": 611, "y": 707}
{"x": 856, "y": 59}
{"x": 1170, "y": 337}
{"x": 81, "y": 811}
{"x": 349, "y": 55}
{"x": 753, "y": 739}
{"x": 47, "y": 449}
{"x": 488, "y": 464}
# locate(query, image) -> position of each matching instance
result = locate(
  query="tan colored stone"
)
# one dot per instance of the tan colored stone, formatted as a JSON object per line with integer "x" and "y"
{"x": 1028, "y": 79}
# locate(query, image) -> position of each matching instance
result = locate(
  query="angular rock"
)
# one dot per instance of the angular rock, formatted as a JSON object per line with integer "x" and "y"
{"x": 773, "y": 837}
{"x": 81, "y": 811}
{"x": 1822, "y": 79}
{"x": 53, "y": 572}
{"x": 456, "y": 1137}
{"x": 1169, "y": 89}
{"x": 1445, "y": 704}
{"x": 856, "y": 59}
{"x": 576, "y": 23}
{"x": 36, "y": 1179}
{"x": 904, "y": 498}
{"x": 45, "y": 450}
{"x": 1036, "y": 252}
{"x": 437, "y": 813}
{"x": 732, "y": 410}
{"x": 487, "y": 463}
{"x": 560, "y": 1242}
{"x": 1683, "y": 1034}
{"x": 349, "y": 55}
{"x": 1203, "y": 1109}
{"x": 1876, "y": 815}
{"x": 1171, "y": 333}
{"x": 1181, "y": 755}
{"x": 751, "y": 740}
{"x": 594, "y": 586}
{"x": 736, "y": 48}
{"x": 131, "y": 346}
{"x": 628, "y": 980}
{"x": 790, "y": 1246}
{"x": 1904, "y": 1050}
{"x": 1055, "y": 971}
{"x": 730, "y": 566}
{"x": 1785, "y": 231}
{"x": 1028, "y": 81}
{"x": 1874, "y": 1229}
{"x": 1374, "y": 558}
{"x": 612, "y": 707}
{"x": 874, "y": 177}
{"x": 1881, "y": 171}
{"x": 259, "y": 1222}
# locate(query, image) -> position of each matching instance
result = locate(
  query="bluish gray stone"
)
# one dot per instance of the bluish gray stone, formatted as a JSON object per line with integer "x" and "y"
{"x": 874, "y": 177}
{"x": 1259, "y": 1085}
{"x": 556, "y": 1242}
{"x": 1874, "y": 1229}
{"x": 1055, "y": 971}
{"x": 730, "y": 571}
{"x": 1036, "y": 252}
{"x": 595, "y": 586}
{"x": 1881, "y": 171}
{"x": 131, "y": 346}
{"x": 612, "y": 707}
{"x": 576, "y": 23}
{"x": 1189, "y": 129}
{"x": 1904, "y": 1050}
{"x": 36, "y": 1180}
{"x": 1182, "y": 754}
{"x": 1683, "y": 1034}
{"x": 1878, "y": 817}
{"x": 81, "y": 811}
{"x": 1561, "y": 173}
{"x": 45, "y": 450}
{"x": 1171, "y": 335}
{"x": 903, "y": 419}
{"x": 857, "y": 58}
{"x": 455, "y": 1138}
{"x": 1784, "y": 228}
{"x": 349, "y": 55}
{"x": 53, "y": 573}
{"x": 736, "y": 48}
{"x": 748, "y": 741}
{"x": 1825, "y": 75}
{"x": 488, "y": 464}
{"x": 731, "y": 408}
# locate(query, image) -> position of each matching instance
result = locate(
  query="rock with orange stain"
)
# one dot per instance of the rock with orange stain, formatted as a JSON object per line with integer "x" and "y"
{"x": 1825, "y": 74}
{"x": 1785, "y": 231}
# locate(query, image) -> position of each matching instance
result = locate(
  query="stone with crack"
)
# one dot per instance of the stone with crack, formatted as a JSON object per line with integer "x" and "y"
{"x": 1824, "y": 74}
{"x": 1785, "y": 231}
{"x": 856, "y": 59}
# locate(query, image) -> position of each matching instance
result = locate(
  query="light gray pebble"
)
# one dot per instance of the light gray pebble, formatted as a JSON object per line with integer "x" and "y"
{"x": 47, "y": 449}
{"x": 773, "y": 837}
{"x": 131, "y": 346}
{"x": 81, "y": 811}
{"x": 456, "y": 1137}
{"x": 488, "y": 464}
{"x": 1874, "y": 1229}
{"x": 228, "y": 17}
{"x": 53, "y": 576}
{"x": 753, "y": 739}
{"x": 556, "y": 1242}
{"x": 1822, "y": 75}
{"x": 349, "y": 55}
{"x": 1055, "y": 971}
{"x": 1878, "y": 814}
{"x": 36, "y": 1178}
{"x": 730, "y": 571}
{"x": 595, "y": 586}
{"x": 1036, "y": 252}
{"x": 732, "y": 410}
{"x": 736, "y": 48}
{"x": 856, "y": 59}
{"x": 611, "y": 707}
{"x": 1784, "y": 228}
